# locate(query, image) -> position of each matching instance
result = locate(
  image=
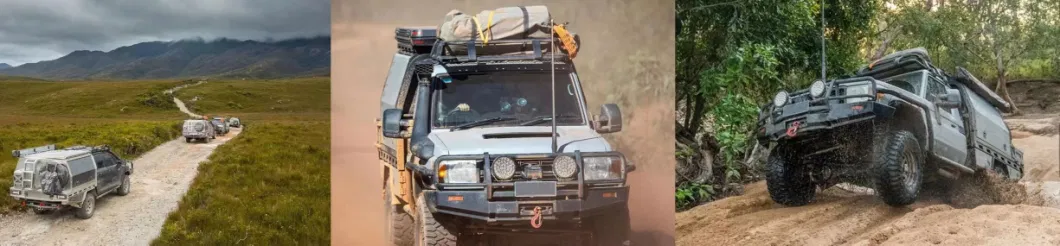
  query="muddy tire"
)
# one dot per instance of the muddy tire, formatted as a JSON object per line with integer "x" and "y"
{"x": 126, "y": 186}
{"x": 787, "y": 182}
{"x": 611, "y": 228}
{"x": 399, "y": 224}
{"x": 432, "y": 229}
{"x": 899, "y": 168}
{"x": 88, "y": 208}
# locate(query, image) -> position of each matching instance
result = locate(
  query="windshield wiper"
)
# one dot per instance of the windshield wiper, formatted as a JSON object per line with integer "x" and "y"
{"x": 543, "y": 119}
{"x": 481, "y": 122}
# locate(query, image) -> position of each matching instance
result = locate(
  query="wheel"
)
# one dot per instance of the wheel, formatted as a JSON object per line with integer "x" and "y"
{"x": 125, "y": 187}
{"x": 611, "y": 228}
{"x": 88, "y": 208}
{"x": 786, "y": 180}
{"x": 400, "y": 224}
{"x": 42, "y": 211}
{"x": 187, "y": 140}
{"x": 899, "y": 162}
{"x": 431, "y": 229}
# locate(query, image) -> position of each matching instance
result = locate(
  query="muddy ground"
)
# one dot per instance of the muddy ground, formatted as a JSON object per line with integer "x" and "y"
{"x": 626, "y": 58}
{"x": 855, "y": 217}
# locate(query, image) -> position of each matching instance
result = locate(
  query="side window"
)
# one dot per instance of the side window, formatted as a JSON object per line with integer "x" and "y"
{"x": 80, "y": 165}
{"x": 101, "y": 159}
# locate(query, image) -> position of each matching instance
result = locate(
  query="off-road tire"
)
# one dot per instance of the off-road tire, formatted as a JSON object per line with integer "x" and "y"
{"x": 88, "y": 208}
{"x": 42, "y": 211}
{"x": 400, "y": 224}
{"x": 126, "y": 186}
{"x": 431, "y": 229}
{"x": 787, "y": 182}
{"x": 611, "y": 228}
{"x": 187, "y": 140}
{"x": 898, "y": 179}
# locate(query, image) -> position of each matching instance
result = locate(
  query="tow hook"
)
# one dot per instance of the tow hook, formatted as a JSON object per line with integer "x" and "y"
{"x": 793, "y": 129}
{"x": 536, "y": 220}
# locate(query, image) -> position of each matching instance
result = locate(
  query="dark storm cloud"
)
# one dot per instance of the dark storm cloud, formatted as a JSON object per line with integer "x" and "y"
{"x": 36, "y": 30}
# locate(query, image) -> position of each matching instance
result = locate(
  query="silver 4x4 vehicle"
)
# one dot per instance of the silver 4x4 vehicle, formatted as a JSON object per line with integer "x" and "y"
{"x": 49, "y": 179}
{"x": 469, "y": 145}
{"x": 199, "y": 130}
{"x": 221, "y": 125}
{"x": 899, "y": 122}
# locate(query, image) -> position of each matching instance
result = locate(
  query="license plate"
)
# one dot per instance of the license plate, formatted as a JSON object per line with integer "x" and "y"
{"x": 535, "y": 189}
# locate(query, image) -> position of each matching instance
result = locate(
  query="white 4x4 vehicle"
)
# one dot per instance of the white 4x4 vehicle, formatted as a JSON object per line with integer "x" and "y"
{"x": 49, "y": 179}
{"x": 199, "y": 130}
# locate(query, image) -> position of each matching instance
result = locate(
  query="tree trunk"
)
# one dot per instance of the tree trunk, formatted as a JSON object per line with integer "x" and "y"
{"x": 697, "y": 114}
{"x": 1002, "y": 88}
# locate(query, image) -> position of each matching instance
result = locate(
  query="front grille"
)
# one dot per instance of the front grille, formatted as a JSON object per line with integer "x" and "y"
{"x": 797, "y": 98}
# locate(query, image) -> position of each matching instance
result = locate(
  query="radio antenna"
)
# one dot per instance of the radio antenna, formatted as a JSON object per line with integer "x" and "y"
{"x": 552, "y": 43}
{"x": 824, "y": 61}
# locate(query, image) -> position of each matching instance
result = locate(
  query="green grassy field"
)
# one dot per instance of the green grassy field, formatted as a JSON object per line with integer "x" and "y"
{"x": 270, "y": 185}
{"x": 127, "y": 139}
{"x": 255, "y": 192}
{"x": 287, "y": 99}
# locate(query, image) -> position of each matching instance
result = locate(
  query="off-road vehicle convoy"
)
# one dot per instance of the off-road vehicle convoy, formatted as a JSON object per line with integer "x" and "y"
{"x": 897, "y": 124}
{"x": 466, "y": 146}
{"x": 199, "y": 130}
{"x": 49, "y": 179}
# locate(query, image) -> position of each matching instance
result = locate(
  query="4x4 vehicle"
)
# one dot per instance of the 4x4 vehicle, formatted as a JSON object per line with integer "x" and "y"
{"x": 899, "y": 122}
{"x": 200, "y": 130}
{"x": 467, "y": 151}
{"x": 49, "y": 179}
{"x": 221, "y": 125}
{"x": 234, "y": 122}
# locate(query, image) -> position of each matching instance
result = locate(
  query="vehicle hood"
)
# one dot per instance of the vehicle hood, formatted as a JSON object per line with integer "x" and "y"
{"x": 518, "y": 140}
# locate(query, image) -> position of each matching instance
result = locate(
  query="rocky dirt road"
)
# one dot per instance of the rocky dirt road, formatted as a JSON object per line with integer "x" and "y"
{"x": 856, "y": 217}
{"x": 160, "y": 179}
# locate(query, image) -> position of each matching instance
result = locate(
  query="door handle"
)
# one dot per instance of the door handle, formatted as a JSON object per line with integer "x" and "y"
{"x": 953, "y": 125}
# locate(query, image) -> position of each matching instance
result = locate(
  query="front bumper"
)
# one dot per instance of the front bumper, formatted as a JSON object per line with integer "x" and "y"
{"x": 475, "y": 205}
{"x": 515, "y": 201}
{"x": 811, "y": 119}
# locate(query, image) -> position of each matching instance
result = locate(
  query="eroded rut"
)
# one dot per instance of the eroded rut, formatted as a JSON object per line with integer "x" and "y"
{"x": 845, "y": 217}
{"x": 159, "y": 180}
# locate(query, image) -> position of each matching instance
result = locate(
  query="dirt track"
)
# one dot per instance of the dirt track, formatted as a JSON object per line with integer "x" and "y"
{"x": 843, "y": 217}
{"x": 622, "y": 61}
{"x": 160, "y": 178}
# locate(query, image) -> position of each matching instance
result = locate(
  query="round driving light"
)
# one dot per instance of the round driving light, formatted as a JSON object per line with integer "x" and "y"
{"x": 780, "y": 99}
{"x": 817, "y": 89}
{"x": 565, "y": 167}
{"x": 503, "y": 168}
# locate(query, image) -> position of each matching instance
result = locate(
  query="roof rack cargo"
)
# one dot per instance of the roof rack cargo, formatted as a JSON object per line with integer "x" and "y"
{"x": 34, "y": 150}
{"x": 496, "y": 50}
{"x": 898, "y": 63}
{"x": 416, "y": 40}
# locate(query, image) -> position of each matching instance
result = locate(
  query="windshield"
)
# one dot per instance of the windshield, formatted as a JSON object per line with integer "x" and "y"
{"x": 516, "y": 96}
{"x": 217, "y": 122}
{"x": 909, "y": 81}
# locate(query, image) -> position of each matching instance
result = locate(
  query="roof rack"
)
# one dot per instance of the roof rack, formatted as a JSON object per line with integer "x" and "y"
{"x": 34, "y": 150}
{"x": 495, "y": 50}
{"x": 898, "y": 63}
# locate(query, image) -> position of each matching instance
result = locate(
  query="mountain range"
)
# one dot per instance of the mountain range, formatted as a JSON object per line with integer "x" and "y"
{"x": 4, "y": 65}
{"x": 189, "y": 58}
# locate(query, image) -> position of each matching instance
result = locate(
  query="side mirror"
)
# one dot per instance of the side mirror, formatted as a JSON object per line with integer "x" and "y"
{"x": 609, "y": 120}
{"x": 392, "y": 123}
{"x": 951, "y": 99}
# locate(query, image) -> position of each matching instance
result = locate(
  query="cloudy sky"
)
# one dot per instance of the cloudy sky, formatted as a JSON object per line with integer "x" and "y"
{"x": 36, "y": 30}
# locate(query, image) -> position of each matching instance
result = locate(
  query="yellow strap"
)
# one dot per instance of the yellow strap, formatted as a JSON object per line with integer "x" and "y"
{"x": 485, "y": 40}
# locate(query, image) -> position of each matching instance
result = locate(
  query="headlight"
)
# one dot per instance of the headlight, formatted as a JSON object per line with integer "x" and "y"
{"x": 865, "y": 89}
{"x": 817, "y": 89}
{"x": 503, "y": 168}
{"x": 565, "y": 167}
{"x": 605, "y": 167}
{"x": 780, "y": 99}
{"x": 458, "y": 171}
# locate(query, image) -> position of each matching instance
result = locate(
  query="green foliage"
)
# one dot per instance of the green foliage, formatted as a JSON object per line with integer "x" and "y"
{"x": 88, "y": 99}
{"x": 691, "y": 194}
{"x": 262, "y": 188}
{"x": 127, "y": 139}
